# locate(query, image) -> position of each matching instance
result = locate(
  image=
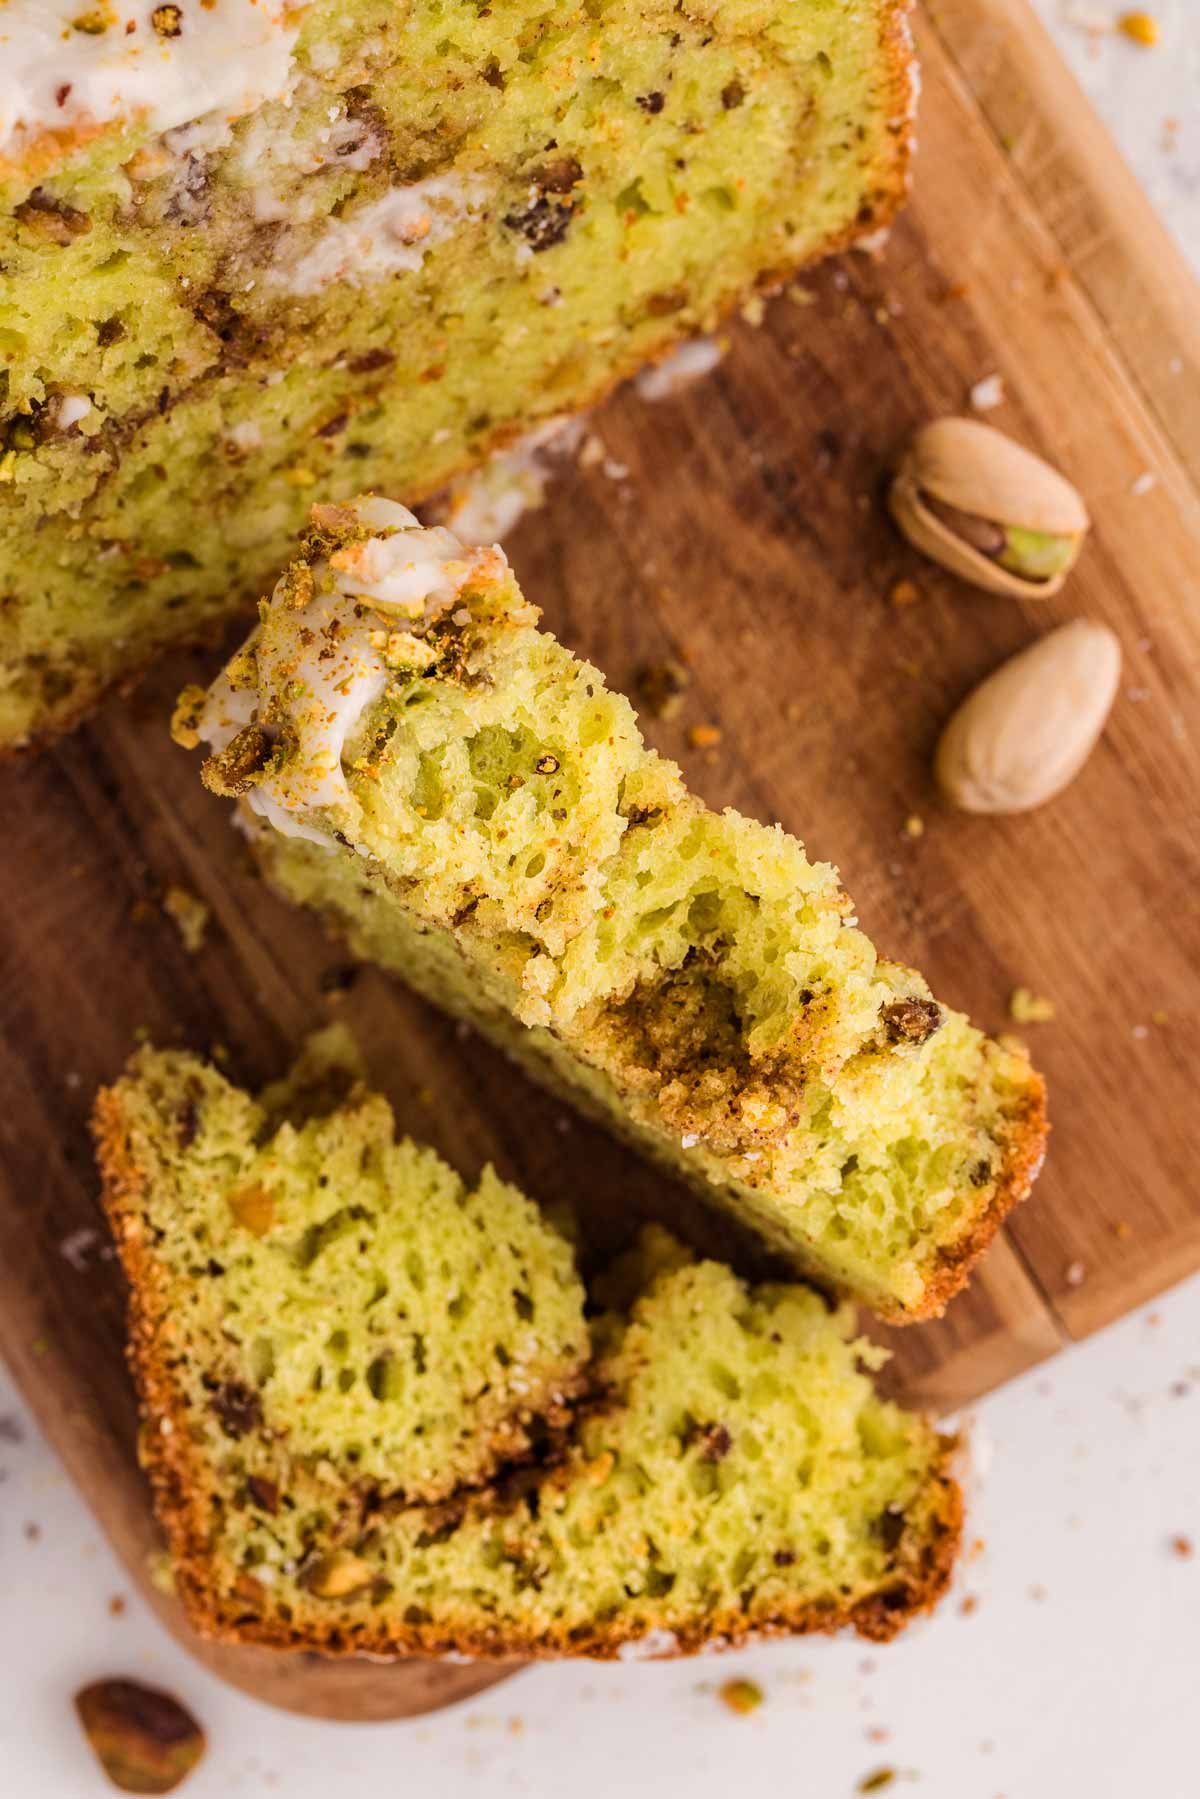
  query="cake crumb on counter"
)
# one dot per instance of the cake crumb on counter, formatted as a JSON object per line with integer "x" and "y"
{"x": 741, "y": 1696}
{"x": 1140, "y": 28}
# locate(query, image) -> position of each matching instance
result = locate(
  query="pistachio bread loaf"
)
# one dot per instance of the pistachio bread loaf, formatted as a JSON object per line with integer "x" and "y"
{"x": 324, "y": 1304}
{"x": 252, "y": 246}
{"x": 730, "y": 1472}
{"x": 473, "y": 808}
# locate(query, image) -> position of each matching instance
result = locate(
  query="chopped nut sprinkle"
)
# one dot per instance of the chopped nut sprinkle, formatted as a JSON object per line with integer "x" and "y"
{"x": 911, "y": 1020}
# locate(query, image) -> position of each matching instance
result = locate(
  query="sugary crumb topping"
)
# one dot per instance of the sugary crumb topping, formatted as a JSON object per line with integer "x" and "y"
{"x": 69, "y": 68}
{"x": 350, "y": 618}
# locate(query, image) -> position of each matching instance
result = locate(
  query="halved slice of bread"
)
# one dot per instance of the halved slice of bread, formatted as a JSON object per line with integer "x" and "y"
{"x": 730, "y": 1473}
{"x": 469, "y": 803}
{"x": 316, "y": 1306}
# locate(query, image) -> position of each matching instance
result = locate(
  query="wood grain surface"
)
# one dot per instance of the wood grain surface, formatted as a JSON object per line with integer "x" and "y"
{"x": 747, "y": 538}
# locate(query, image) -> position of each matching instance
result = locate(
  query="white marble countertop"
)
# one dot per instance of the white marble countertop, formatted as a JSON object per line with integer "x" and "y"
{"x": 1066, "y": 1664}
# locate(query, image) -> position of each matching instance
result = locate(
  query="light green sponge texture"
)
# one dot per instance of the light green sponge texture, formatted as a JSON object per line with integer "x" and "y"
{"x": 510, "y": 846}
{"x": 344, "y": 1304}
{"x": 741, "y": 1474}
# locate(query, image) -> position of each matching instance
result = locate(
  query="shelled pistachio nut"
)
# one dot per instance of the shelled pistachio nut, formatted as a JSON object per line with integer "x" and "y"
{"x": 338, "y": 1575}
{"x": 988, "y": 510}
{"x": 1027, "y": 730}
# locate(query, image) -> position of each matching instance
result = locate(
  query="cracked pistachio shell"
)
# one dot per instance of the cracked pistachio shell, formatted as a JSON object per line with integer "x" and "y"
{"x": 1027, "y": 730}
{"x": 977, "y": 471}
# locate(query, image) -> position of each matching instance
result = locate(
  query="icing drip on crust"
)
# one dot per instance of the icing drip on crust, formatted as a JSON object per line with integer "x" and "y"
{"x": 68, "y": 68}
{"x": 321, "y": 660}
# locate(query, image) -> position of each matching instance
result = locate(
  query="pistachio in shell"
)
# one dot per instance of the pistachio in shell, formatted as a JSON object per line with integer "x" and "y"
{"x": 145, "y": 1740}
{"x": 988, "y": 509}
{"x": 1026, "y": 731}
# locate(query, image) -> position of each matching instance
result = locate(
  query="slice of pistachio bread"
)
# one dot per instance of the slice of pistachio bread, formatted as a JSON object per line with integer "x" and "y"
{"x": 476, "y": 810}
{"x": 252, "y": 246}
{"x": 315, "y": 1305}
{"x": 334, "y": 1341}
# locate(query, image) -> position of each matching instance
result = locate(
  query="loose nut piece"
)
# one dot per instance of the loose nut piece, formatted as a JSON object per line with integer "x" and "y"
{"x": 1027, "y": 730}
{"x": 337, "y": 1575}
{"x": 987, "y": 509}
{"x": 145, "y": 1741}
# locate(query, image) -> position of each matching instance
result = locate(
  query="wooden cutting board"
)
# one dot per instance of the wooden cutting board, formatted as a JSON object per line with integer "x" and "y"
{"x": 746, "y": 538}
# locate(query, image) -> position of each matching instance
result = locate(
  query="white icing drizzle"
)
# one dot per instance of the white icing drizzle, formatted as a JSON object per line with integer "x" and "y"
{"x": 344, "y": 660}
{"x": 407, "y": 571}
{"x": 690, "y": 362}
{"x": 388, "y": 236}
{"x": 69, "y": 410}
{"x": 246, "y": 435}
{"x": 485, "y": 504}
{"x": 269, "y": 152}
{"x": 227, "y": 58}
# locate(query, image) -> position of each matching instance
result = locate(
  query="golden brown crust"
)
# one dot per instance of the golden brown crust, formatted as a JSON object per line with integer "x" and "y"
{"x": 1024, "y": 1153}
{"x": 921, "y": 1580}
{"x": 887, "y": 194}
{"x": 164, "y": 1448}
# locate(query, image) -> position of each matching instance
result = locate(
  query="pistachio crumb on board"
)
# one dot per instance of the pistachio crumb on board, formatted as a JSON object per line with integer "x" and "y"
{"x": 1027, "y": 1007}
{"x": 190, "y": 916}
{"x": 704, "y": 737}
{"x": 904, "y": 592}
